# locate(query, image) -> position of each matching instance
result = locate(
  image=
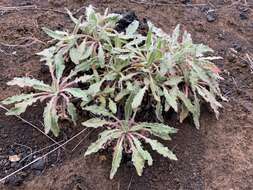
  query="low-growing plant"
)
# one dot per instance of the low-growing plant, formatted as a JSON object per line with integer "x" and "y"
{"x": 119, "y": 71}
{"x": 128, "y": 136}
{"x": 58, "y": 95}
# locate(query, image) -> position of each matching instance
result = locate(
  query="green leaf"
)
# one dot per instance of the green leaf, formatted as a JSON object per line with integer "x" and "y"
{"x": 155, "y": 90}
{"x": 78, "y": 93}
{"x": 105, "y": 136}
{"x": 29, "y": 82}
{"x": 88, "y": 52}
{"x": 121, "y": 95}
{"x": 95, "y": 123}
{"x": 187, "y": 102}
{"x": 47, "y": 53}
{"x": 164, "y": 151}
{"x": 138, "y": 161}
{"x": 112, "y": 106}
{"x": 21, "y": 107}
{"x": 58, "y": 35}
{"x": 59, "y": 65}
{"x": 84, "y": 66}
{"x": 145, "y": 154}
{"x": 101, "y": 56}
{"x": 94, "y": 88}
{"x": 209, "y": 97}
{"x": 117, "y": 156}
{"x": 157, "y": 129}
{"x": 159, "y": 111}
{"x": 91, "y": 15}
{"x": 98, "y": 110}
{"x": 151, "y": 57}
{"x": 72, "y": 112}
{"x": 171, "y": 97}
{"x": 138, "y": 98}
{"x": 75, "y": 55}
{"x": 51, "y": 119}
{"x": 174, "y": 81}
{"x": 128, "y": 106}
{"x": 149, "y": 39}
{"x": 132, "y": 28}
{"x": 17, "y": 98}
{"x": 202, "y": 49}
{"x": 175, "y": 35}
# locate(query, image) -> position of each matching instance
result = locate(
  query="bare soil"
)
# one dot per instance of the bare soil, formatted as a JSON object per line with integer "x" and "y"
{"x": 219, "y": 156}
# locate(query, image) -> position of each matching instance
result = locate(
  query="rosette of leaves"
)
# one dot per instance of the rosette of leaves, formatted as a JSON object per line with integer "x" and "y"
{"x": 171, "y": 70}
{"x": 128, "y": 136}
{"x": 58, "y": 95}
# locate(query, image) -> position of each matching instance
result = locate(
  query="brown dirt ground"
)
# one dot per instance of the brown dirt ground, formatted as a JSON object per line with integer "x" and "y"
{"x": 218, "y": 156}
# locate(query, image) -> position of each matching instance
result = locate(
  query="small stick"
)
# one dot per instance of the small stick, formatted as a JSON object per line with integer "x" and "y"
{"x": 164, "y": 4}
{"x": 30, "y": 7}
{"x": 2, "y": 8}
{"x": 130, "y": 183}
{"x": 82, "y": 140}
{"x": 78, "y": 10}
{"x": 34, "y": 40}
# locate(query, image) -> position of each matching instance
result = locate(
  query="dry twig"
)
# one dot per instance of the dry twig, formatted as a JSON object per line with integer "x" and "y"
{"x": 164, "y": 4}
{"x": 30, "y": 7}
{"x": 32, "y": 39}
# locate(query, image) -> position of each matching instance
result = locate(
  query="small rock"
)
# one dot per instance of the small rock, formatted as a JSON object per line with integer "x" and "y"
{"x": 14, "y": 158}
{"x": 244, "y": 15}
{"x": 39, "y": 165}
{"x": 211, "y": 16}
{"x": 244, "y": 63}
{"x": 186, "y": 1}
{"x": 237, "y": 47}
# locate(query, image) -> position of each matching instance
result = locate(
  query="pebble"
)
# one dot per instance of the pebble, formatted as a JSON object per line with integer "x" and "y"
{"x": 244, "y": 15}
{"x": 211, "y": 16}
{"x": 186, "y": 1}
{"x": 237, "y": 47}
{"x": 39, "y": 165}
